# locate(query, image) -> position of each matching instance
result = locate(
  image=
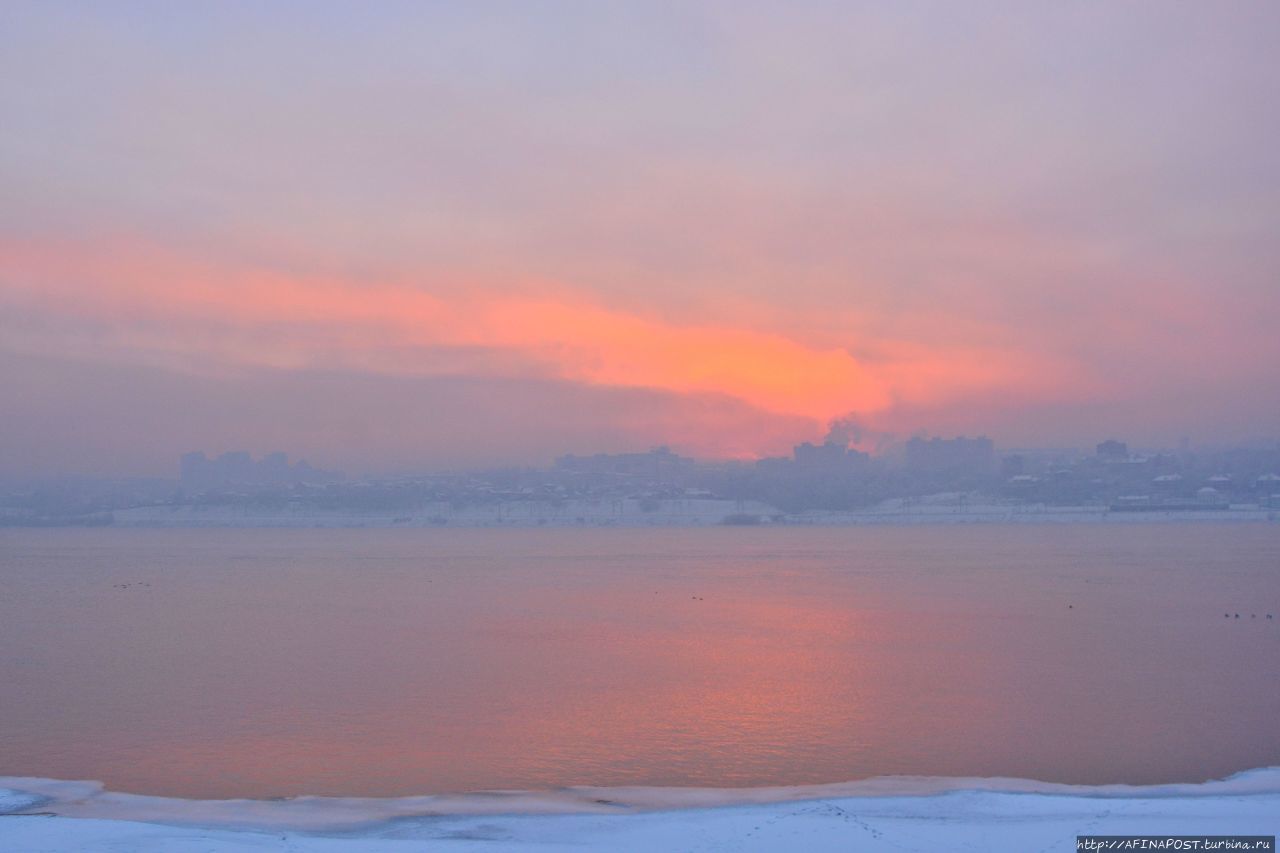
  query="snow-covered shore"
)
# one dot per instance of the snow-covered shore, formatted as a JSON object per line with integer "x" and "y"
{"x": 937, "y": 509}
{"x": 893, "y": 813}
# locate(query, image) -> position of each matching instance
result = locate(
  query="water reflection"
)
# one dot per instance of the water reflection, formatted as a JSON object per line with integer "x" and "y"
{"x": 264, "y": 663}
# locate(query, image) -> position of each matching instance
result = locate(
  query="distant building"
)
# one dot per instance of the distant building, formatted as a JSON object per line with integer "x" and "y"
{"x": 954, "y": 455}
{"x": 658, "y": 464}
{"x": 812, "y": 460}
{"x": 827, "y": 456}
{"x": 1210, "y": 495}
{"x": 1013, "y": 466}
{"x": 1112, "y": 450}
{"x": 237, "y": 470}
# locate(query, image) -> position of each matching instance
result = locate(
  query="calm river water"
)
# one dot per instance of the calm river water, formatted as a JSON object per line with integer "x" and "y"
{"x": 219, "y": 663}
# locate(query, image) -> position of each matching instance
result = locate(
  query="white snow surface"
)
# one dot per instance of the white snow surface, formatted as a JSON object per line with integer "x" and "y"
{"x": 890, "y": 814}
{"x": 950, "y": 508}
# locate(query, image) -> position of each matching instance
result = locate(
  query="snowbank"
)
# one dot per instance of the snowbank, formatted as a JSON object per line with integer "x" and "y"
{"x": 896, "y": 813}
{"x": 937, "y": 509}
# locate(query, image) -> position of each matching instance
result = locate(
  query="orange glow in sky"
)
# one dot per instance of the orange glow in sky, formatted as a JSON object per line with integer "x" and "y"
{"x": 516, "y": 236}
{"x": 152, "y": 301}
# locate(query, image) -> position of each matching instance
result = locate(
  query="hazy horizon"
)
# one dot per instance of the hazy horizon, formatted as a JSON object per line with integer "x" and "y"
{"x": 890, "y": 450}
{"x": 422, "y": 237}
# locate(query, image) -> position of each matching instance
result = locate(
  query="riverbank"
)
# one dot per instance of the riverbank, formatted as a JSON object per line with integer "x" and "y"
{"x": 892, "y": 813}
{"x": 938, "y": 509}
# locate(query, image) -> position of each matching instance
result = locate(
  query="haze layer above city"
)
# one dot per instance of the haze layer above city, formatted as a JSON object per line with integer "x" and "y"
{"x": 425, "y": 237}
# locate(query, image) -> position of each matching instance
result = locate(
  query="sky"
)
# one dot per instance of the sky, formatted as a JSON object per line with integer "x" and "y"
{"x": 420, "y": 236}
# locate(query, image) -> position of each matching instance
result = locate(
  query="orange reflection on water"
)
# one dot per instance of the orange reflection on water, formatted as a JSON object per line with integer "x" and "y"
{"x": 267, "y": 663}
